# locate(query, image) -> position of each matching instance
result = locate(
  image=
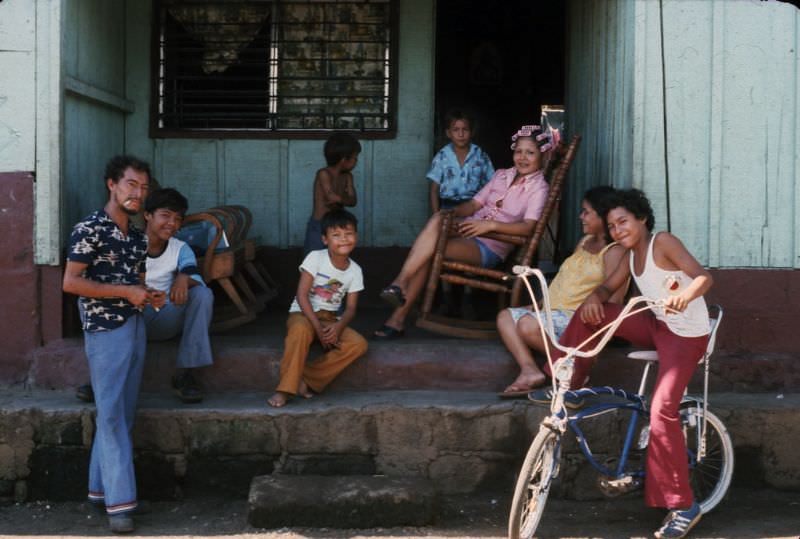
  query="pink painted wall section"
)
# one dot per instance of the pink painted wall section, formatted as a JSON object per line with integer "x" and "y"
{"x": 19, "y": 314}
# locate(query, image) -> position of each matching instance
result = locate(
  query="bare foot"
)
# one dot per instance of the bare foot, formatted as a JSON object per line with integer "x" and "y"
{"x": 278, "y": 400}
{"x": 525, "y": 382}
{"x": 304, "y": 391}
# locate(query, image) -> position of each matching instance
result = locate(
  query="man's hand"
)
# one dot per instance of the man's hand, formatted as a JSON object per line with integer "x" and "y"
{"x": 156, "y": 298}
{"x": 137, "y": 294}
{"x": 179, "y": 293}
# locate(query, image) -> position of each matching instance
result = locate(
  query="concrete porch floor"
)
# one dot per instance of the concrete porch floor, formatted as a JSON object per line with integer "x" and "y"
{"x": 248, "y": 359}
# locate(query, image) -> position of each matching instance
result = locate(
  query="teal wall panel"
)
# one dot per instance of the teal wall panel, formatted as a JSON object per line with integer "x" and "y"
{"x": 274, "y": 177}
{"x": 731, "y": 119}
{"x": 599, "y": 106}
{"x": 94, "y": 55}
{"x": 92, "y": 135}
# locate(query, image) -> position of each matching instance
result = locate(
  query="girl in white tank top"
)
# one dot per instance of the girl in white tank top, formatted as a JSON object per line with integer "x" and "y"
{"x": 664, "y": 270}
{"x": 658, "y": 283}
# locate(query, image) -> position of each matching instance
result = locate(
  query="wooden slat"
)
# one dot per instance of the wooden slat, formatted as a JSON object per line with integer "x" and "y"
{"x": 477, "y": 270}
{"x": 474, "y": 283}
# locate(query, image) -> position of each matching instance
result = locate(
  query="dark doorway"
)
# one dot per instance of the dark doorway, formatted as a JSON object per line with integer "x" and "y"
{"x": 501, "y": 61}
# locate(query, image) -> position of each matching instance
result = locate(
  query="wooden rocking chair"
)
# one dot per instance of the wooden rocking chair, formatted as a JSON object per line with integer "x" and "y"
{"x": 220, "y": 261}
{"x": 493, "y": 280}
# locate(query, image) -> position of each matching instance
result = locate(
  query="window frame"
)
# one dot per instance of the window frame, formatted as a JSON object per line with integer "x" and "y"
{"x": 157, "y": 132}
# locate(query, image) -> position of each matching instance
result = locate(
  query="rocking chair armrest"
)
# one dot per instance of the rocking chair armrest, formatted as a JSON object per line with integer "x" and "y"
{"x": 506, "y": 238}
{"x": 212, "y": 246}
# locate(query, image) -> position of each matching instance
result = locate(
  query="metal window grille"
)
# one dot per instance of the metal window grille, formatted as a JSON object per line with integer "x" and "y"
{"x": 274, "y": 66}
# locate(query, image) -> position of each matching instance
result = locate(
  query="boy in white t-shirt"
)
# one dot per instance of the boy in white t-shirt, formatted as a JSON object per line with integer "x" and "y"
{"x": 326, "y": 277}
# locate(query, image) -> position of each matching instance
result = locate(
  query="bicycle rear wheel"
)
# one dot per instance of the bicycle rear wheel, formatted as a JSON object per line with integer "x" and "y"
{"x": 709, "y": 475}
{"x": 533, "y": 485}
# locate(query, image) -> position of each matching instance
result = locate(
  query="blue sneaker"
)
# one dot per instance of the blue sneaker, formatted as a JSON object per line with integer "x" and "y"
{"x": 678, "y": 523}
{"x": 572, "y": 400}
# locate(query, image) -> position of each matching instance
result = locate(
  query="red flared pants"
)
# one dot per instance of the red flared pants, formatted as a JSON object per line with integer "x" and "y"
{"x": 667, "y": 472}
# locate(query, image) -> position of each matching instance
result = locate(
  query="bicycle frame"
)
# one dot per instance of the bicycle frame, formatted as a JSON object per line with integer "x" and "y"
{"x": 560, "y": 420}
{"x": 638, "y": 408}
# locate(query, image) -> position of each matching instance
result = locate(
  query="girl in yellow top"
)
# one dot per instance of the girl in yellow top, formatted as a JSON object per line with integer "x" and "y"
{"x": 594, "y": 259}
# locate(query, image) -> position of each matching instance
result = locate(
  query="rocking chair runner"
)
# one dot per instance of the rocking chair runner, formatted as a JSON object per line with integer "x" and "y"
{"x": 492, "y": 280}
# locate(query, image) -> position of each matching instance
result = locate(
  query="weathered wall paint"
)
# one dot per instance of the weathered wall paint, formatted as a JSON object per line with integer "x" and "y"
{"x": 17, "y": 86}
{"x": 599, "y": 100}
{"x": 731, "y": 111}
{"x": 274, "y": 177}
{"x": 94, "y": 54}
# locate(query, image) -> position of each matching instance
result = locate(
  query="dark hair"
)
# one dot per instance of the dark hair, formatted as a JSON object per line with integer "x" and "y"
{"x": 635, "y": 202}
{"x": 453, "y": 115}
{"x": 167, "y": 198}
{"x": 340, "y": 146}
{"x": 600, "y": 199}
{"x": 338, "y": 219}
{"x": 116, "y": 166}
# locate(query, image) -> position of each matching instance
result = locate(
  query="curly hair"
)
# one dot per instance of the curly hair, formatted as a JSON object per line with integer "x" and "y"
{"x": 117, "y": 165}
{"x": 637, "y": 203}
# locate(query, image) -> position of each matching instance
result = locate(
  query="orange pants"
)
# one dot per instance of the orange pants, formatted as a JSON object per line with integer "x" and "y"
{"x": 321, "y": 372}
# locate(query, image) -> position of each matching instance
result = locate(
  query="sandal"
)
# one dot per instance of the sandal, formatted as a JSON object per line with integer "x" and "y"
{"x": 387, "y": 333}
{"x": 393, "y": 295}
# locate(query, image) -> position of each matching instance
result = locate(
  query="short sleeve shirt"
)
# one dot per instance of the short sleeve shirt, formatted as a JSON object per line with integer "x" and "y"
{"x": 113, "y": 258}
{"x": 502, "y": 202}
{"x": 162, "y": 269}
{"x": 457, "y": 182}
{"x": 330, "y": 284}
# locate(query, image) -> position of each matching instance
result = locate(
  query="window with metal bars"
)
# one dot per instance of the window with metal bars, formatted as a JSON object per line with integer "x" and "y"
{"x": 274, "y": 68}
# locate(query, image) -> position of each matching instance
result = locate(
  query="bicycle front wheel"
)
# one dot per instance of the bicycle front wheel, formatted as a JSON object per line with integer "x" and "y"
{"x": 533, "y": 485}
{"x": 710, "y": 471}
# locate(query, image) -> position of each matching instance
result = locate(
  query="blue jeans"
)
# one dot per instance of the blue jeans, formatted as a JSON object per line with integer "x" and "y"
{"x": 116, "y": 362}
{"x": 191, "y": 321}
{"x": 313, "y": 241}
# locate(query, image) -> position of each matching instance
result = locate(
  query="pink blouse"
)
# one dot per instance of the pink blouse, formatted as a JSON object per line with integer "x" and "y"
{"x": 510, "y": 204}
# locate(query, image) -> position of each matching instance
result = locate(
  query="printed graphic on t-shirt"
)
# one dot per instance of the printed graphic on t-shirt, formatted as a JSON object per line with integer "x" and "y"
{"x": 330, "y": 292}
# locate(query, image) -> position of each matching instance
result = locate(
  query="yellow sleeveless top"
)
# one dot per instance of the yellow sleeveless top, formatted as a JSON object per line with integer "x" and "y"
{"x": 578, "y": 276}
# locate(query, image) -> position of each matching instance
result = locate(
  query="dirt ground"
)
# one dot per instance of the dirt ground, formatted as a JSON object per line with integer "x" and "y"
{"x": 745, "y": 515}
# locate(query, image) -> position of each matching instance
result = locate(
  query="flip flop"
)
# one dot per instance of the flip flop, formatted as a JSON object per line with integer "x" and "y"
{"x": 393, "y": 295}
{"x": 389, "y": 333}
{"x": 519, "y": 393}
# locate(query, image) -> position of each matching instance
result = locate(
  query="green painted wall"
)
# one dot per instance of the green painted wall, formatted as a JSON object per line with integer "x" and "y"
{"x": 599, "y": 100}
{"x": 94, "y": 129}
{"x": 732, "y": 118}
{"x": 274, "y": 177}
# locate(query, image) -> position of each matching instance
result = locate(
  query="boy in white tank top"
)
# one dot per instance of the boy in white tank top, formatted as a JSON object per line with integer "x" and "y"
{"x": 663, "y": 270}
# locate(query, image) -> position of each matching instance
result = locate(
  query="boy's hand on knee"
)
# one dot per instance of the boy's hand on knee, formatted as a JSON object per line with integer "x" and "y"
{"x": 179, "y": 293}
{"x": 331, "y": 334}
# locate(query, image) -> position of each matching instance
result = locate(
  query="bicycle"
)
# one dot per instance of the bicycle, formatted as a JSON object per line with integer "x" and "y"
{"x": 710, "y": 450}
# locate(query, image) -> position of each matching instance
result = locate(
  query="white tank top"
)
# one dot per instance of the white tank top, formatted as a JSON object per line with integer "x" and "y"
{"x": 657, "y": 283}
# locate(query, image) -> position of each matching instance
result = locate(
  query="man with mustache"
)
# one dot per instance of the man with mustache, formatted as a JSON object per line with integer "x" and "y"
{"x": 105, "y": 268}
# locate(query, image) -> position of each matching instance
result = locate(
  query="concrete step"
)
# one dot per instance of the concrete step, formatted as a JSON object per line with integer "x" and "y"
{"x": 463, "y": 441}
{"x": 354, "y": 501}
{"x": 248, "y": 359}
